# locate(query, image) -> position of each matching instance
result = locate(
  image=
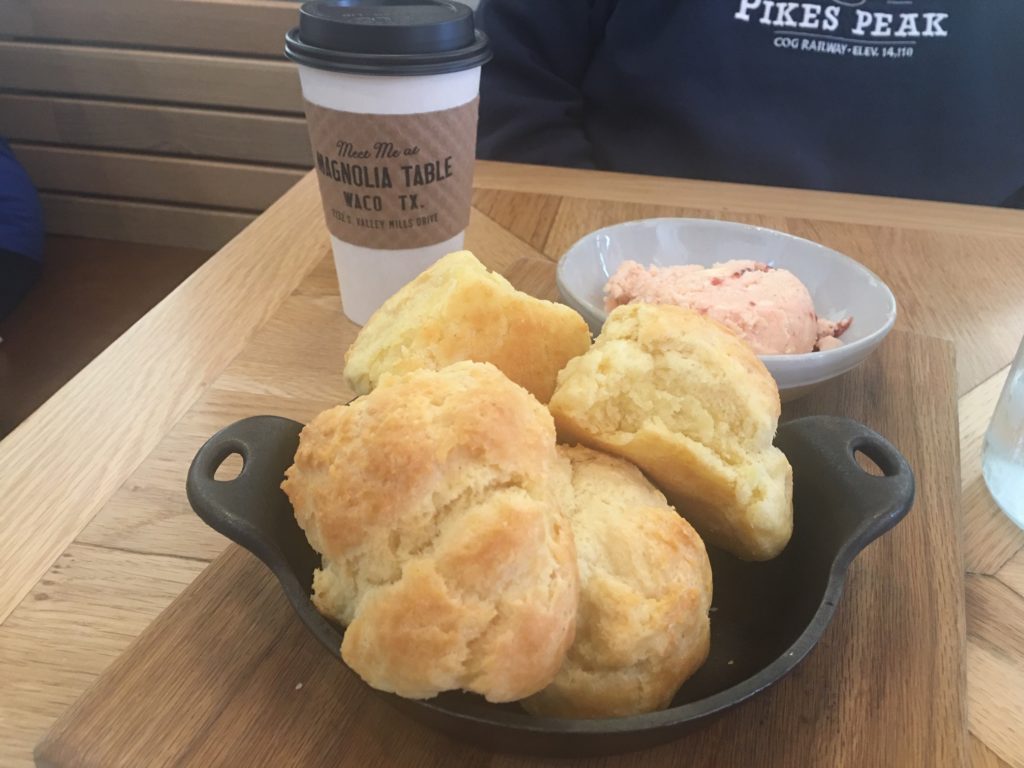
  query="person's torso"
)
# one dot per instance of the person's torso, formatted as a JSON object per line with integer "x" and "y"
{"x": 915, "y": 98}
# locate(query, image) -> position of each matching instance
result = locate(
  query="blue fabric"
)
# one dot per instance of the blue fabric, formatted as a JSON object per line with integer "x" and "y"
{"x": 21, "y": 217}
{"x": 913, "y": 98}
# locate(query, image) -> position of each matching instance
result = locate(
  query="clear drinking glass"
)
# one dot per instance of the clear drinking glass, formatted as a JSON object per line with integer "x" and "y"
{"x": 1002, "y": 456}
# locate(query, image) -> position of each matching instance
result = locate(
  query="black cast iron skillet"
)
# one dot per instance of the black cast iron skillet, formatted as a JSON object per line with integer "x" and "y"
{"x": 767, "y": 616}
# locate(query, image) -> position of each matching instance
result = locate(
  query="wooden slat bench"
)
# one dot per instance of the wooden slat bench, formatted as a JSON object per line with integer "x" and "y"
{"x": 162, "y": 121}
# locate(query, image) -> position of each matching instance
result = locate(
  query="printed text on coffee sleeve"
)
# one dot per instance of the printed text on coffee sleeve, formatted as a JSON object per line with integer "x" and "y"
{"x": 369, "y": 183}
{"x": 394, "y": 181}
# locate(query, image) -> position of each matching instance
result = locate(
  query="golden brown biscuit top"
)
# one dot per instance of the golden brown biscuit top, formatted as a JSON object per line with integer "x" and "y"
{"x": 633, "y": 372}
{"x": 459, "y": 310}
{"x": 439, "y": 504}
{"x": 381, "y": 456}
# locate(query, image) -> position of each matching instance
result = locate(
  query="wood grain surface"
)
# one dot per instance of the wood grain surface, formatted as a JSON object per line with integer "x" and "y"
{"x": 726, "y": 198}
{"x": 141, "y": 542}
{"x": 136, "y": 390}
{"x": 903, "y": 622}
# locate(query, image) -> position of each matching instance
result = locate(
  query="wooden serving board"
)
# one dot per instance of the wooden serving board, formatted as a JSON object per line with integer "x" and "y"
{"x": 228, "y": 676}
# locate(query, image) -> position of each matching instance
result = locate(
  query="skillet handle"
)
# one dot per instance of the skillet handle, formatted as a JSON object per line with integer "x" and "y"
{"x": 250, "y": 509}
{"x": 254, "y": 512}
{"x": 822, "y": 451}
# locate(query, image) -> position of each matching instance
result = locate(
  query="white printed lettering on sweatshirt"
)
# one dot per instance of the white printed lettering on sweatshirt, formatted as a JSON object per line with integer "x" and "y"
{"x": 876, "y": 25}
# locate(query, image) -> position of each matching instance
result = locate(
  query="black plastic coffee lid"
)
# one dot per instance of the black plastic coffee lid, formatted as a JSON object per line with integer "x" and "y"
{"x": 387, "y": 37}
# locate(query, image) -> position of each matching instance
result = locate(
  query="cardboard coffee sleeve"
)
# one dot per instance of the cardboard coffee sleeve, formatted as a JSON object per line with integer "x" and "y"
{"x": 394, "y": 181}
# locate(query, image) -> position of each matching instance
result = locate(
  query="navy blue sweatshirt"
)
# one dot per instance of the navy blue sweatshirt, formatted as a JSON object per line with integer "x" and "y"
{"x": 21, "y": 218}
{"x": 913, "y": 98}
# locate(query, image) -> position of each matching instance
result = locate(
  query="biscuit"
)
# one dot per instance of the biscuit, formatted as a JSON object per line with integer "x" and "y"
{"x": 689, "y": 403}
{"x": 645, "y": 591}
{"x": 439, "y": 506}
{"x": 458, "y": 310}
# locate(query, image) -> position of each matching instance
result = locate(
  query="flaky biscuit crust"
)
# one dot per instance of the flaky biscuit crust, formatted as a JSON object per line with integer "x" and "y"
{"x": 645, "y": 593}
{"x": 439, "y": 505}
{"x": 690, "y": 404}
{"x": 458, "y": 310}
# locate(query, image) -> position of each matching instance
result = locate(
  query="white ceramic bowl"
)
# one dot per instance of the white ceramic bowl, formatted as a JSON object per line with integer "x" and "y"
{"x": 839, "y": 286}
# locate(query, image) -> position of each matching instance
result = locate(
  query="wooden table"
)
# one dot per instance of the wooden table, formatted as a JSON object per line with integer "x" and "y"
{"x": 98, "y": 537}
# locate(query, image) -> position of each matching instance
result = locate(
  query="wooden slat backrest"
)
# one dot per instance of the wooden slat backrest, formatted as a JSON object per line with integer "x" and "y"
{"x": 156, "y": 129}
{"x": 151, "y": 76}
{"x": 217, "y": 26}
{"x": 170, "y": 121}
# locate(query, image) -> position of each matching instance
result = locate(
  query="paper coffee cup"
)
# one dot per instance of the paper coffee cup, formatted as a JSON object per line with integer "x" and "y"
{"x": 391, "y": 93}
